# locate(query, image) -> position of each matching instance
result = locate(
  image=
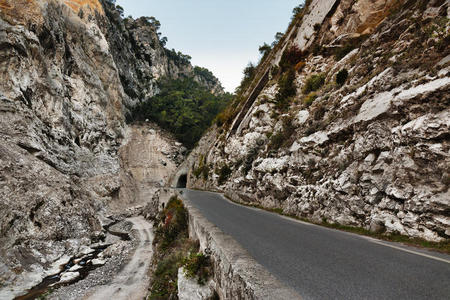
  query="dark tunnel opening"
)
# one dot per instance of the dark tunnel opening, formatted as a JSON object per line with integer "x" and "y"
{"x": 182, "y": 181}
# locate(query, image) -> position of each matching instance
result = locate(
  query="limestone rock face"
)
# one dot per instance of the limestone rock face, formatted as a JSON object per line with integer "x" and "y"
{"x": 70, "y": 71}
{"x": 61, "y": 122}
{"x": 148, "y": 158}
{"x": 373, "y": 152}
{"x": 189, "y": 289}
{"x": 141, "y": 58}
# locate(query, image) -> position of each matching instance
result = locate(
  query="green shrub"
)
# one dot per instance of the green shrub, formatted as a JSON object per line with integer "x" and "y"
{"x": 287, "y": 89}
{"x": 171, "y": 237}
{"x": 197, "y": 265}
{"x": 203, "y": 169}
{"x": 313, "y": 83}
{"x": 309, "y": 99}
{"x": 281, "y": 138}
{"x": 249, "y": 75}
{"x": 343, "y": 51}
{"x": 205, "y": 74}
{"x": 174, "y": 219}
{"x": 164, "y": 285}
{"x": 276, "y": 140}
{"x": 225, "y": 117}
{"x": 265, "y": 50}
{"x": 341, "y": 76}
{"x": 291, "y": 57}
{"x": 183, "y": 107}
{"x": 224, "y": 173}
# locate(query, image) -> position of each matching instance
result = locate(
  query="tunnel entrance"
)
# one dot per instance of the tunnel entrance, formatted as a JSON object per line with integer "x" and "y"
{"x": 182, "y": 181}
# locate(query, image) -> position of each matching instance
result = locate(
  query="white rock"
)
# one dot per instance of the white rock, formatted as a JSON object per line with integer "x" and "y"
{"x": 57, "y": 265}
{"x": 85, "y": 250}
{"x": 189, "y": 289}
{"x": 302, "y": 116}
{"x": 444, "y": 61}
{"x": 318, "y": 138}
{"x": 272, "y": 164}
{"x": 442, "y": 73}
{"x": 295, "y": 146}
{"x": 98, "y": 262}
{"x": 369, "y": 158}
{"x": 318, "y": 12}
{"x": 424, "y": 88}
{"x": 69, "y": 276}
{"x": 374, "y": 107}
{"x": 75, "y": 268}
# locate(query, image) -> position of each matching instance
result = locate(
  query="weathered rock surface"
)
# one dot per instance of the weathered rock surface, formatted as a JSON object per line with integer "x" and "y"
{"x": 148, "y": 158}
{"x": 190, "y": 289}
{"x": 374, "y": 152}
{"x": 70, "y": 71}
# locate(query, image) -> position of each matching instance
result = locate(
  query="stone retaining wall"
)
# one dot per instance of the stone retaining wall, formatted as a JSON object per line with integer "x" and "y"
{"x": 236, "y": 274}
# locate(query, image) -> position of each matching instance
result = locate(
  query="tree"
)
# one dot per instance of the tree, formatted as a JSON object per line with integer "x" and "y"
{"x": 249, "y": 71}
{"x": 264, "y": 49}
{"x": 163, "y": 41}
{"x": 278, "y": 37}
{"x": 153, "y": 22}
{"x": 120, "y": 10}
{"x": 297, "y": 10}
{"x": 183, "y": 107}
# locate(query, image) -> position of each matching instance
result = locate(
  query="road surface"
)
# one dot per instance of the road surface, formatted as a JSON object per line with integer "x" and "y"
{"x": 322, "y": 263}
{"x": 131, "y": 282}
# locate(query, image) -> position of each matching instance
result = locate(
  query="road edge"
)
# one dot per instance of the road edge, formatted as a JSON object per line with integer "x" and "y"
{"x": 237, "y": 275}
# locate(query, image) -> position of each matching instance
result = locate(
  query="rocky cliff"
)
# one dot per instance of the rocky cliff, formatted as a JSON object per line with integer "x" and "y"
{"x": 346, "y": 121}
{"x": 70, "y": 71}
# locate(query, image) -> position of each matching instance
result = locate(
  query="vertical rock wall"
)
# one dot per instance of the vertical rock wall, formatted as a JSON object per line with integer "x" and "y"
{"x": 371, "y": 152}
{"x": 70, "y": 70}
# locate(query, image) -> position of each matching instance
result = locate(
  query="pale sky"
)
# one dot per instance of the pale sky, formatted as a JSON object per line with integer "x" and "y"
{"x": 222, "y": 36}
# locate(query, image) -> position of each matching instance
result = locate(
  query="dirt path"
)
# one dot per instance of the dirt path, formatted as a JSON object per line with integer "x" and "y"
{"x": 132, "y": 282}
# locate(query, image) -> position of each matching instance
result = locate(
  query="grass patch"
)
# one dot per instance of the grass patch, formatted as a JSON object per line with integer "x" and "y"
{"x": 173, "y": 224}
{"x": 287, "y": 90}
{"x": 197, "y": 265}
{"x": 203, "y": 169}
{"x": 309, "y": 99}
{"x": 313, "y": 83}
{"x": 172, "y": 245}
{"x": 282, "y": 137}
{"x": 174, "y": 250}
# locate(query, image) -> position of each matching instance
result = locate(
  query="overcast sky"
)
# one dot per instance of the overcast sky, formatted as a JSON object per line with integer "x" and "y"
{"x": 222, "y": 36}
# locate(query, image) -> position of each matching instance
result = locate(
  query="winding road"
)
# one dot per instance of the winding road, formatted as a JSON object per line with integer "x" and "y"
{"x": 322, "y": 263}
{"x": 131, "y": 282}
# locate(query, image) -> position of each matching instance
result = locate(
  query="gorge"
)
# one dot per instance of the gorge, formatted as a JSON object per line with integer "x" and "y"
{"x": 344, "y": 122}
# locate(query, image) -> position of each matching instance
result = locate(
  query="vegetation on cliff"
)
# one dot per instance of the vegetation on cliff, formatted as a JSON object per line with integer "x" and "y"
{"x": 174, "y": 250}
{"x": 183, "y": 107}
{"x": 348, "y": 117}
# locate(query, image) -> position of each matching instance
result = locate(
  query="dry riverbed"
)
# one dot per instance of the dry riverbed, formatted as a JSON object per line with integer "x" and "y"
{"x": 125, "y": 272}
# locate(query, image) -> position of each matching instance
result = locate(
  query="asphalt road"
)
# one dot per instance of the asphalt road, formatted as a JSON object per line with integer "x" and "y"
{"x": 322, "y": 263}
